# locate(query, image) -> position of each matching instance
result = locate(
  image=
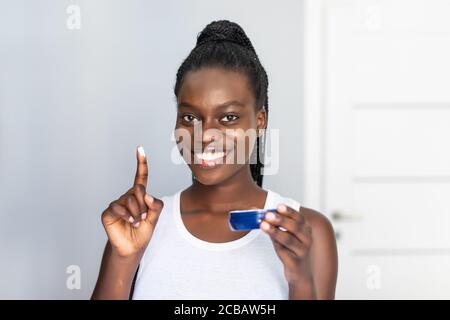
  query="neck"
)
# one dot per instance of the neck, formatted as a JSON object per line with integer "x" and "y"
{"x": 229, "y": 192}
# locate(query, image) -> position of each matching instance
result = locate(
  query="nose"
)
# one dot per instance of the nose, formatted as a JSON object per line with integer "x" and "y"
{"x": 209, "y": 135}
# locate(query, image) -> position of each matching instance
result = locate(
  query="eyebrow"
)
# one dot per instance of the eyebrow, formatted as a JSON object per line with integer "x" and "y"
{"x": 222, "y": 105}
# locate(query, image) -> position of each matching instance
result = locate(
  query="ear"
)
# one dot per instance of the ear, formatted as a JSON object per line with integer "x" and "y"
{"x": 261, "y": 119}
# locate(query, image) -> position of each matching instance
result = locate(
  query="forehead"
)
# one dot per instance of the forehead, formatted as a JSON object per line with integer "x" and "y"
{"x": 211, "y": 86}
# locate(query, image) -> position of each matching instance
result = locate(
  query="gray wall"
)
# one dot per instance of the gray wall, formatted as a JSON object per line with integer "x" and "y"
{"x": 75, "y": 103}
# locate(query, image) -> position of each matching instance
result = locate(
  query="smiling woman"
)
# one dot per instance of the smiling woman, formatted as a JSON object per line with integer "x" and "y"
{"x": 222, "y": 105}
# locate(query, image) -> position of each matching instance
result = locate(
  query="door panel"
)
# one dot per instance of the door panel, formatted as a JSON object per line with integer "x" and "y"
{"x": 386, "y": 160}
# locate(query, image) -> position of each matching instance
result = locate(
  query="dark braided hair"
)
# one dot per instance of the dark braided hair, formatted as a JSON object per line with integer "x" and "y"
{"x": 225, "y": 44}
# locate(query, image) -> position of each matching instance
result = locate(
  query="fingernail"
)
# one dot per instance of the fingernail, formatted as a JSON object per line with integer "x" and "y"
{"x": 131, "y": 219}
{"x": 282, "y": 208}
{"x": 141, "y": 151}
{"x": 136, "y": 224}
{"x": 143, "y": 216}
{"x": 270, "y": 216}
{"x": 265, "y": 226}
{"x": 150, "y": 198}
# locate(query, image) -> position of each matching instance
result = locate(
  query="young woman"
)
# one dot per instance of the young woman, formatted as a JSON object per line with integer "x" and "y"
{"x": 181, "y": 246}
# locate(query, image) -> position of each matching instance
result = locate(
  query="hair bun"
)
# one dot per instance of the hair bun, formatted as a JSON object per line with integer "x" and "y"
{"x": 224, "y": 30}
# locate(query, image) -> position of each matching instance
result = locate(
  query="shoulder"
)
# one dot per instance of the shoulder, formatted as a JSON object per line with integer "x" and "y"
{"x": 318, "y": 221}
{"x": 324, "y": 246}
{"x": 324, "y": 253}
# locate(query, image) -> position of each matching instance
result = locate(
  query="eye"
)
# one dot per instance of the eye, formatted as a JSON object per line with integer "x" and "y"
{"x": 229, "y": 118}
{"x": 189, "y": 118}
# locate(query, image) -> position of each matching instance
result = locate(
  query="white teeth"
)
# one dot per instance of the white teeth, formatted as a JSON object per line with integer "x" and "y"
{"x": 210, "y": 156}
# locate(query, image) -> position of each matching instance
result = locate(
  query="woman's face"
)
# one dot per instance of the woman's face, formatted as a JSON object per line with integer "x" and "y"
{"x": 217, "y": 123}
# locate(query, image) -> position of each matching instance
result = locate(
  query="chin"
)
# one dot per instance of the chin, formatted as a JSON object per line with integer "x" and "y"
{"x": 212, "y": 176}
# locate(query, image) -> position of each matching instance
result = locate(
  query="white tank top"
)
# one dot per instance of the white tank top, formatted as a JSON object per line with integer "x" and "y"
{"x": 177, "y": 265}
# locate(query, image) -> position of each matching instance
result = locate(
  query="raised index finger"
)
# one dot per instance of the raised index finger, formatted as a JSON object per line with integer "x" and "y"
{"x": 142, "y": 167}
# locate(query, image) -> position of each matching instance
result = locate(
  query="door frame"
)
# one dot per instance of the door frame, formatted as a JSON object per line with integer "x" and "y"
{"x": 314, "y": 91}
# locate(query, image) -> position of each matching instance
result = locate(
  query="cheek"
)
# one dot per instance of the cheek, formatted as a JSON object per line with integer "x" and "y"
{"x": 243, "y": 143}
{"x": 183, "y": 141}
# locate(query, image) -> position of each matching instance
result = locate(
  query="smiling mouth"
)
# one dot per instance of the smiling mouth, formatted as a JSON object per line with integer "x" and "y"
{"x": 209, "y": 159}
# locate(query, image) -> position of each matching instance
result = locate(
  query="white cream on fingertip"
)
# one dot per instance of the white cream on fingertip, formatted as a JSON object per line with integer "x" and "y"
{"x": 141, "y": 151}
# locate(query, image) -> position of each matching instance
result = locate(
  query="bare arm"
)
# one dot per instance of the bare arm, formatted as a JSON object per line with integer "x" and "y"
{"x": 116, "y": 275}
{"x": 324, "y": 256}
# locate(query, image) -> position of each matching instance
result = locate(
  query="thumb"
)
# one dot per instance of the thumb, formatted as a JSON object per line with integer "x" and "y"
{"x": 149, "y": 200}
{"x": 154, "y": 208}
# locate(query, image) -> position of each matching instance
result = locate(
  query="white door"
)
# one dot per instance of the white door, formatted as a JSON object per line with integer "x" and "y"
{"x": 385, "y": 145}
